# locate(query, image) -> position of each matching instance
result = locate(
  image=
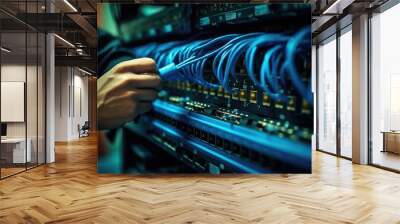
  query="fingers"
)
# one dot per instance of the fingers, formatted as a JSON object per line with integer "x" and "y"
{"x": 136, "y": 96}
{"x": 143, "y": 81}
{"x": 121, "y": 109}
{"x": 140, "y": 65}
{"x": 143, "y": 95}
{"x": 144, "y": 107}
{"x": 124, "y": 83}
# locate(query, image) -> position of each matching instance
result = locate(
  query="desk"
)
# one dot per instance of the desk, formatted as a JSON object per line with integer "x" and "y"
{"x": 391, "y": 141}
{"x": 13, "y": 150}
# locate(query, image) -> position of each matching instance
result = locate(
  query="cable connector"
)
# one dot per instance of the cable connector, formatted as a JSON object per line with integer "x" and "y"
{"x": 168, "y": 72}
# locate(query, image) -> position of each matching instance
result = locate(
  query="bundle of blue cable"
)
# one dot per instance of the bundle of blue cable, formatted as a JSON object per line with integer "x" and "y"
{"x": 185, "y": 61}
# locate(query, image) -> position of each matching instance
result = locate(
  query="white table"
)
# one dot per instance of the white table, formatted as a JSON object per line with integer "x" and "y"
{"x": 19, "y": 153}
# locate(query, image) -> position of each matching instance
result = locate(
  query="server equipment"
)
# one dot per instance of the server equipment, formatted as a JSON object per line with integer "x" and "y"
{"x": 236, "y": 93}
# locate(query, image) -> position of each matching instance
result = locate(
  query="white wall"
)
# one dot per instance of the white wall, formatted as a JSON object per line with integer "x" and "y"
{"x": 71, "y": 93}
{"x": 15, "y": 73}
{"x": 12, "y": 73}
{"x": 81, "y": 104}
{"x": 61, "y": 103}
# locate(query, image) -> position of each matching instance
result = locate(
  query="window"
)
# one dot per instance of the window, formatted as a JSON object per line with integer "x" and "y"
{"x": 346, "y": 92}
{"x": 327, "y": 95}
{"x": 385, "y": 89}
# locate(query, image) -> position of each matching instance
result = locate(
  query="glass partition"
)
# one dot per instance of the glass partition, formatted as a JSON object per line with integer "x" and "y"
{"x": 15, "y": 150}
{"x": 22, "y": 77}
{"x": 32, "y": 96}
{"x": 32, "y": 87}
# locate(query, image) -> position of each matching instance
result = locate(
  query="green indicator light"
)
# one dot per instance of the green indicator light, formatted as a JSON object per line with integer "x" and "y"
{"x": 230, "y": 16}
{"x": 167, "y": 28}
{"x": 152, "y": 32}
{"x": 260, "y": 10}
{"x": 204, "y": 21}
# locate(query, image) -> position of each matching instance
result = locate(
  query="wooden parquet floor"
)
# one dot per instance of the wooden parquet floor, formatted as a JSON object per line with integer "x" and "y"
{"x": 70, "y": 191}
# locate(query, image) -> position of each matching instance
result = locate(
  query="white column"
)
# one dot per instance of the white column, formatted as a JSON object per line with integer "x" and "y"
{"x": 50, "y": 92}
{"x": 50, "y": 98}
{"x": 360, "y": 90}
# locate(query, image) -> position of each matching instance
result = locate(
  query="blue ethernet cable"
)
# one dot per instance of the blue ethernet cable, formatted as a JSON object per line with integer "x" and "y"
{"x": 291, "y": 48}
{"x": 216, "y": 40}
{"x": 182, "y": 54}
{"x": 186, "y": 60}
{"x": 169, "y": 69}
{"x": 233, "y": 57}
{"x": 265, "y": 75}
{"x": 221, "y": 71}
{"x": 269, "y": 71}
{"x": 263, "y": 41}
{"x": 277, "y": 65}
{"x": 207, "y": 84}
{"x": 237, "y": 44}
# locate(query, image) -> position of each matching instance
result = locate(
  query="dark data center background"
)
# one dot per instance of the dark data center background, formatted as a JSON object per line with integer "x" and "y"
{"x": 247, "y": 108}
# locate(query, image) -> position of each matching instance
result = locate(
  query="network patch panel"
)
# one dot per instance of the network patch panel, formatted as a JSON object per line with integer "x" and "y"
{"x": 236, "y": 97}
{"x": 217, "y": 14}
{"x": 172, "y": 20}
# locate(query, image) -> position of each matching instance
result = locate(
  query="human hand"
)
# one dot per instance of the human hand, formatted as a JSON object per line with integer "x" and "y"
{"x": 126, "y": 91}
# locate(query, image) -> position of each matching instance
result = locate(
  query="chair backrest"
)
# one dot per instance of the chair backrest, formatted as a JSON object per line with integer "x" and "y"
{"x": 86, "y": 125}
